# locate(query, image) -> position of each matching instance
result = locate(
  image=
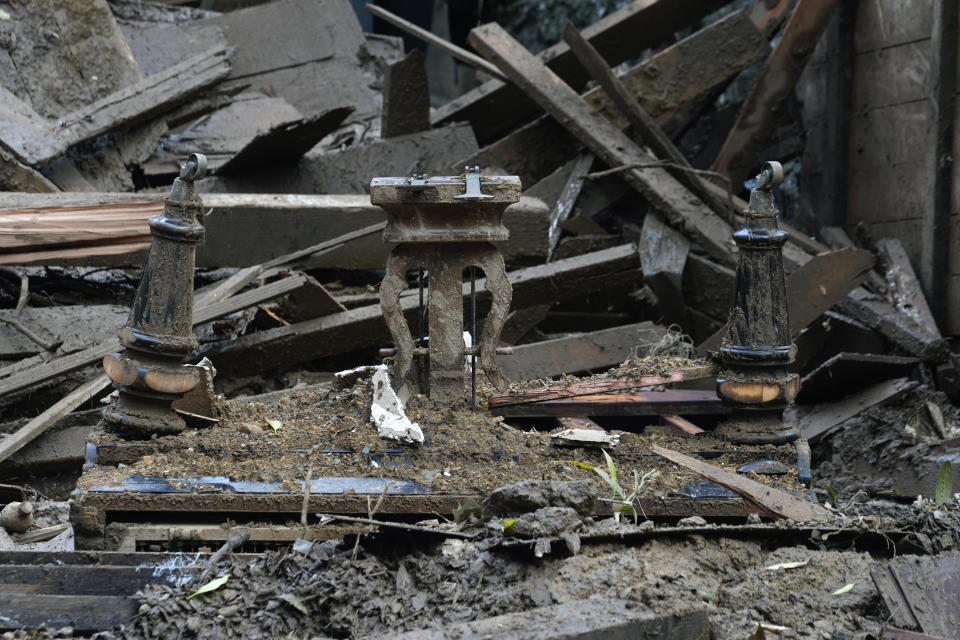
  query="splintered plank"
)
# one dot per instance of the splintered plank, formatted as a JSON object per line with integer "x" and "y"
{"x": 909, "y": 296}
{"x": 737, "y": 158}
{"x": 15, "y": 441}
{"x": 775, "y": 502}
{"x": 495, "y": 107}
{"x": 663, "y": 85}
{"x": 638, "y": 403}
{"x": 815, "y": 287}
{"x": 83, "y": 613}
{"x": 560, "y": 391}
{"x": 605, "y": 140}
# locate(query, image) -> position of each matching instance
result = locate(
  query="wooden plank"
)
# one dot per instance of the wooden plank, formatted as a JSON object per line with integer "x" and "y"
{"x": 908, "y": 296}
{"x": 73, "y": 580}
{"x": 567, "y": 199}
{"x": 824, "y": 417}
{"x": 594, "y": 387}
{"x": 846, "y": 372}
{"x": 143, "y": 100}
{"x": 495, "y": 108}
{"x": 251, "y": 298}
{"x": 931, "y": 588}
{"x": 815, "y": 287}
{"x": 642, "y": 123}
{"x": 406, "y": 97}
{"x": 901, "y": 329}
{"x": 586, "y": 352}
{"x": 935, "y": 228}
{"x": 605, "y": 140}
{"x": 662, "y": 84}
{"x": 774, "y": 501}
{"x": 459, "y": 53}
{"x": 364, "y": 327}
{"x": 663, "y": 254}
{"x": 737, "y": 158}
{"x": 681, "y": 423}
{"x": 15, "y": 441}
{"x": 637, "y": 403}
{"x": 83, "y": 613}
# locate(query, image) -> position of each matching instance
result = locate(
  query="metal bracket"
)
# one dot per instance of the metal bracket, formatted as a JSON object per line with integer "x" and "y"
{"x": 472, "y": 180}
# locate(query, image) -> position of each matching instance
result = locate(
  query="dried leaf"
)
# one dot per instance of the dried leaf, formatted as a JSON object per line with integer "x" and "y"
{"x": 766, "y": 626}
{"x": 295, "y": 602}
{"x": 844, "y": 589}
{"x": 276, "y": 424}
{"x": 786, "y": 565}
{"x": 944, "y": 483}
{"x": 213, "y": 585}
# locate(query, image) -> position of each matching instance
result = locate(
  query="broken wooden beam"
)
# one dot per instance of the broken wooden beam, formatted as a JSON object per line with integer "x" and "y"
{"x": 662, "y": 84}
{"x": 495, "y": 108}
{"x": 908, "y": 296}
{"x": 775, "y": 502}
{"x": 663, "y": 254}
{"x": 364, "y": 327}
{"x": 681, "y": 208}
{"x": 636, "y": 403}
{"x": 737, "y": 158}
{"x": 901, "y": 329}
{"x": 642, "y": 123}
{"x": 15, "y": 441}
{"x": 406, "y": 97}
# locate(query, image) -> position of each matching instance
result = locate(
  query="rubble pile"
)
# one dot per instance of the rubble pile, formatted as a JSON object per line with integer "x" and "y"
{"x": 720, "y": 411}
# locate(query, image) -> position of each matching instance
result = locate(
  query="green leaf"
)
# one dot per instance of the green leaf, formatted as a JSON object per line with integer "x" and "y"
{"x": 786, "y": 565}
{"x": 582, "y": 465}
{"x": 610, "y": 465}
{"x": 213, "y": 585}
{"x": 844, "y": 589}
{"x": 944, "y": 483}
{"x": 508, "y": 523}
{"x": 276, "y": 424}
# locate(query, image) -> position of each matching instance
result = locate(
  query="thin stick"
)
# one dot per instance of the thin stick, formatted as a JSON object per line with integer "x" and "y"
{"x": 397, "y": 525}
{"x": 459, "y": 53}
{"x": 660, "y": 165}
{"x": 47, "y": 345}
{"x": 306, "y": 500}
{"x": 232, "y": 543}
{"x": 473, "y": 337}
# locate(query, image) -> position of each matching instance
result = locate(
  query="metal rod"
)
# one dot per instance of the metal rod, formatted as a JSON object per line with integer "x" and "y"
{"x": 473, "y": 337}
{"x": 421, "y": 363}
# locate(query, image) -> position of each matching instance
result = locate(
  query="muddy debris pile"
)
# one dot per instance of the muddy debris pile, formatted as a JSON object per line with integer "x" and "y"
{"x": 709, "y": 381}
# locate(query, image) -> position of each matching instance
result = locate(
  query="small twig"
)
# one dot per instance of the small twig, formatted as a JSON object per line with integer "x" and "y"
{"x": 48, "y": 345}
{"x": 728, "y": 185}
{"x": 396, "y": 525}
{"x": 24, "y": 289}
{"x": 227, "y": 547}
{"x": 306, "y": 500}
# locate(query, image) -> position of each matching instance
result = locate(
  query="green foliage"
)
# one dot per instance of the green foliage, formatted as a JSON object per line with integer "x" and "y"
{"x": 944, "y": 489}
{"x": 213, "y": 585}
{"x": 621, "y": 501}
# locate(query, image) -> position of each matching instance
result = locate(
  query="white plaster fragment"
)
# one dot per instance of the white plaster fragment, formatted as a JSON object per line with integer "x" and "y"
{"x": 587, "y": 437}
{"x": 387, "y": 412}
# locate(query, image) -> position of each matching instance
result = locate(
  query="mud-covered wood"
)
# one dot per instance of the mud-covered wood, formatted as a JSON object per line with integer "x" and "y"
{"x": 496, "y": 107}
{"x": 825, "y": 416}
{"x": 83, "y": 613}
{"x": 681, "y": 208}
{"x": 908, "y": 296}
{"x": 848, "y": 372}
{"x": 663, "y": 254}
{"x": 774, "y": 502}
{"x": 662, "y": 84}
{"x": 406, "y": 97}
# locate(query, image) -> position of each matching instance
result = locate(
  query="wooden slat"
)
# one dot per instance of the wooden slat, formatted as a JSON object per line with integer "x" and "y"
{"x": 73, "y": 580}
{"x": 681, "y": 208}
{"x": 83, "y": 613}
